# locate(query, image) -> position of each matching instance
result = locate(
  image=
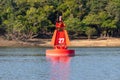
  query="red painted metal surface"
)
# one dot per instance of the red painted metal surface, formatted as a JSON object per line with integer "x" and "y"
{"x": 60, "y": 41}
{"x": 60, "y": 52}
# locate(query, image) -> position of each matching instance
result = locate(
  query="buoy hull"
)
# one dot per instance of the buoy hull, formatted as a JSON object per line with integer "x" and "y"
{"x": 60, "y": 52}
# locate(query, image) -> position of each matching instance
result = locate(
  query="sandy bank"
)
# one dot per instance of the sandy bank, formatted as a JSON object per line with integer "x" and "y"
{"x": 113, "y": 42}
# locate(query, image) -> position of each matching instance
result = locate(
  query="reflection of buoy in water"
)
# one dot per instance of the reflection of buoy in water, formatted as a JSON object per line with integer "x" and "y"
{"x": 60, "y": 67}
{"x": 60, "y": 41}
{"x": 62, "y": 59}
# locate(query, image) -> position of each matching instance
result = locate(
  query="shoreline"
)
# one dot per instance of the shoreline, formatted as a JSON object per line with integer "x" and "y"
{"x": 111, "y": 42}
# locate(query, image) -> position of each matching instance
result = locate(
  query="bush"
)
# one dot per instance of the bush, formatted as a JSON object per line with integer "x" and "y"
{"x": 90, "y": 31}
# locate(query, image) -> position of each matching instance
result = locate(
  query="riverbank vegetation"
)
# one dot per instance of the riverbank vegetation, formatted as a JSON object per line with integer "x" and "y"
{"x": 25, "y": 19}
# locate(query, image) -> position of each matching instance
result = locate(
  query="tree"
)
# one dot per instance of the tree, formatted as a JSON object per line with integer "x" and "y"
{"x": 90, "y": 31}
{"x": 29, "y": 18}
{"x": 74, "y": 27}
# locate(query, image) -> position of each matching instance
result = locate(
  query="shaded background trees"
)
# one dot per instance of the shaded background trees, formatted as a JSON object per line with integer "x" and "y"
{"x": 24, "y": 19}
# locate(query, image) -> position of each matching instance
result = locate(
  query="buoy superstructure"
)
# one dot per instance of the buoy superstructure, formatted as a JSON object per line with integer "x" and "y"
{"x": 60, "y": 41}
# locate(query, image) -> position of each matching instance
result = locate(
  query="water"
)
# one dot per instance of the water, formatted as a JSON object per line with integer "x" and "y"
{"x": 32, "y": 64}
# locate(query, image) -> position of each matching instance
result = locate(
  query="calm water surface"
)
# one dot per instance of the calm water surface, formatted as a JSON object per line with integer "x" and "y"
{"x": 32, "y": 64}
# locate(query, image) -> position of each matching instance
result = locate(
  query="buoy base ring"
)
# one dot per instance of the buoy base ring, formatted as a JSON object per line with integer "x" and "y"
{"x": 60, "y": 52}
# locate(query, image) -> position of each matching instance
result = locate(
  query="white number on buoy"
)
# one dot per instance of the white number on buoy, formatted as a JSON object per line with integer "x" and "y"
{"x": 61, "y": 40}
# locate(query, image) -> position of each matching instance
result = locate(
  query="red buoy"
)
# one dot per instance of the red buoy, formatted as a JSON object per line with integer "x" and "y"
{"x": 60, "y": 41}
{"x": 60, "y": 52}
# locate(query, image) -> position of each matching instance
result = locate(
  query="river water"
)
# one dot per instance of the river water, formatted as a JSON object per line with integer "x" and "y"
{"x": 87, "y": 64}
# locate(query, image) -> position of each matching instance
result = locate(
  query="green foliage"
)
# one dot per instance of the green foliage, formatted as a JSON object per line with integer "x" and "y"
{"x": 75, "y": 27}
{"x": 36, "y": 17}
{"x": 90, "y": 31}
